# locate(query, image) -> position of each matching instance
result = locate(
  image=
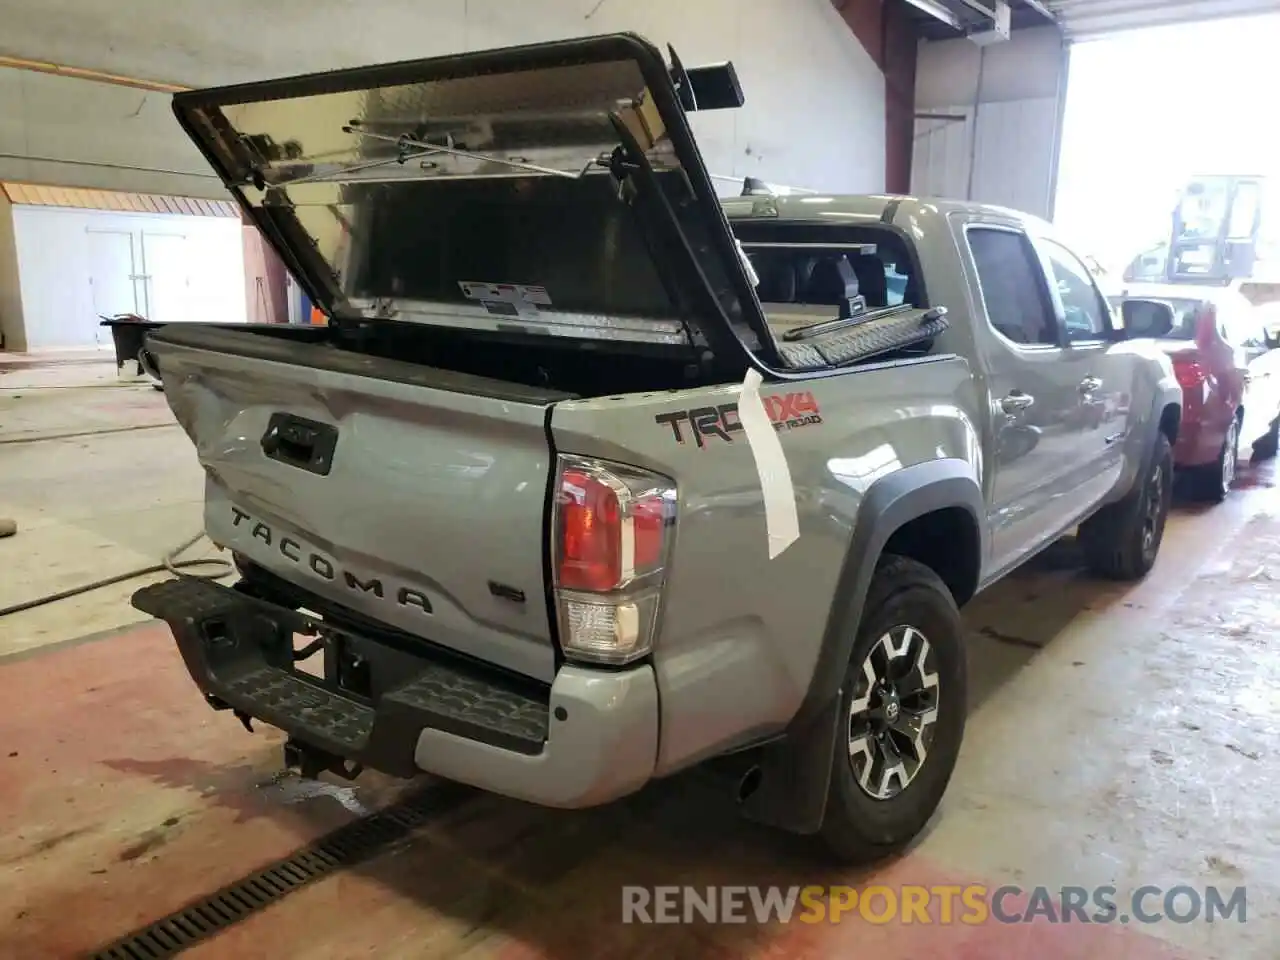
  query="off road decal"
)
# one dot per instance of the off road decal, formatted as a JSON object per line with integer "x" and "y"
{"x": 787, "y": 411}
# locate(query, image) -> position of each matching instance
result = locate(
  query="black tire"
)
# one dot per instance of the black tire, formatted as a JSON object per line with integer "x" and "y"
{"x": 859, "y": 827}
{"x": 1114, "y": 540}
{"x": 1212, "y": 482}
{"x": 1267, "y": 445}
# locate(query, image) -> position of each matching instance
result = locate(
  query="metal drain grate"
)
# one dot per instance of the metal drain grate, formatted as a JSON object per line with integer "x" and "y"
{"x": 344, "y": 847}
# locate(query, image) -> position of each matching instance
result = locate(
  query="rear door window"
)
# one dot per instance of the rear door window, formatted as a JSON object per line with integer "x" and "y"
{"x": 1012, "y": 286}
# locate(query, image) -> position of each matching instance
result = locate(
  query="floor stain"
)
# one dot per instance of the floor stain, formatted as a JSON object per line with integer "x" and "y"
{"x": 1009, "y": 638}
{"x": 149, "y": 841}
{"x": 1247, "y": 754}
{"x": 47, "y": 844}
{"x": 289, "y": 789}
{"x": 1224, "y": 867}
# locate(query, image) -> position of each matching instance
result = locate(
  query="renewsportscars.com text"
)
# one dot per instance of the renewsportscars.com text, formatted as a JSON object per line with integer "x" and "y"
{"x": 971, "y": 905}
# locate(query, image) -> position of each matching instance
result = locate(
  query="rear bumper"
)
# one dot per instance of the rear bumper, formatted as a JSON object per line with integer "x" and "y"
{"x": 1199, "y": 442}
{"x": 589, "y": 738}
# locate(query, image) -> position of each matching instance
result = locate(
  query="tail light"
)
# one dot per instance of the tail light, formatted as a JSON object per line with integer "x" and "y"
{"x": 612, "y": 532}
{"x": 1189, "y": 373}
{"x": 1206, "y": 324}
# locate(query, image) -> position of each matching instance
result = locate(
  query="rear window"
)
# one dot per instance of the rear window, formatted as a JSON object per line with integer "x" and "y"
{"x": 820, "y": 267}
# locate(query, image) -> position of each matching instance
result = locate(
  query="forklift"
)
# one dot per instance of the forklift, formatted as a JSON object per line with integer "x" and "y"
{"x": 1213, "y": 241}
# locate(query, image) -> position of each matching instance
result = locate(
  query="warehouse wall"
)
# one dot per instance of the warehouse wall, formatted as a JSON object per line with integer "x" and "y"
{"x": 12, "y": 331}
{"x": 73, "y": 132}
{"x": 992, "y": 120}
{"x": 815, "y": 113}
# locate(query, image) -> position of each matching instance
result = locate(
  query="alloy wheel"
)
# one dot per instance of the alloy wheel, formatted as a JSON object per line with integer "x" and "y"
{"x": 894, "y": 712}
{"x": 1154, "y": 505}
{"x": 1229, "y": 457}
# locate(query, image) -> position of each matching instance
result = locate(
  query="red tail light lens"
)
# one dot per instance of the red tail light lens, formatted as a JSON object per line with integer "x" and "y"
{"x": 590, "y": 533}
{"x": 612, "y": 527}
{"x": 612, "y": 531}
{"x": 1189, "y": 373}
{"x": 649, "y": 518}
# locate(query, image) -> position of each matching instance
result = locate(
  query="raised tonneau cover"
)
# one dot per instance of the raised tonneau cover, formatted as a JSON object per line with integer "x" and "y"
{"x": 553, "y": 189}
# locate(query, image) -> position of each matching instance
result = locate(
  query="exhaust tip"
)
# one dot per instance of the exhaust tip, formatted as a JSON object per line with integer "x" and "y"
{"x": 749, "y": 783}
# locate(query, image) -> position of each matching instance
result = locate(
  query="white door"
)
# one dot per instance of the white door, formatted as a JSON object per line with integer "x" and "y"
{"x": 168, "y": 269}
{"x": 112, "y": 275}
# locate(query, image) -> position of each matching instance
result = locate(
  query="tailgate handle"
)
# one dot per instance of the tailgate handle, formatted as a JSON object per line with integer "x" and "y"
{"x": 300, "y": 443}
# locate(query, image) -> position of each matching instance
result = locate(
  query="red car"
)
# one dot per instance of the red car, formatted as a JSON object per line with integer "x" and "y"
{"x": 1230, "y": 380}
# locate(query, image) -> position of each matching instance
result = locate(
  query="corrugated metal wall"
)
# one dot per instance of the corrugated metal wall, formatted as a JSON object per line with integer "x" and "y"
{"x": 989, "y": 119}
{"x": 1006, "y": 157}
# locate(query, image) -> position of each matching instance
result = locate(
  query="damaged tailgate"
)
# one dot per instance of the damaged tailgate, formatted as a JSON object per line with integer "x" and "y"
{"x": 409, "y": 496}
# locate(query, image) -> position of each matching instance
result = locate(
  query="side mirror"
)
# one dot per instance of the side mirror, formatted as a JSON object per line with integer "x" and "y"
{"x": 1147, "y": 318}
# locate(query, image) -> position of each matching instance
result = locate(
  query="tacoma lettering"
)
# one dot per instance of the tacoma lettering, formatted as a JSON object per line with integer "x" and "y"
{"x": 323, "y": 567}
{"x": 373, "y": 586}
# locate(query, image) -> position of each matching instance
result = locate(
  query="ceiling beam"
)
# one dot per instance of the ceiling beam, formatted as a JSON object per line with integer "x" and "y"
{"x": 80, "y": 73}
{"x": 1039, "y": 7}
{"x": 978, "y": 7}
{"x": 936, "y": 10}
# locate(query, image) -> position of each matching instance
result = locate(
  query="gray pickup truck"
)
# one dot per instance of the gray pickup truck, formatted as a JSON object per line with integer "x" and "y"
{"x": 595, "y": 476}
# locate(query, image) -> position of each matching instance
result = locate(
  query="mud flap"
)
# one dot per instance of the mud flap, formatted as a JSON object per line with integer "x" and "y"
{"x": 795, "y": 775}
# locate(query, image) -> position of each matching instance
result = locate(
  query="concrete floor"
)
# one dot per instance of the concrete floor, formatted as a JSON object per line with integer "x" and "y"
{"x": 1118, "y": 736}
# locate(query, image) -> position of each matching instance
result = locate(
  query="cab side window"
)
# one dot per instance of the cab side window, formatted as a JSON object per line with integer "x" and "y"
{"x": 1086, "y": 314}
{"x": 1012, "y": 285}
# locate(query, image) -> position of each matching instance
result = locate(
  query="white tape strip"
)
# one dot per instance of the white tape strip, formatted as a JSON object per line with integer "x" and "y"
{"x": 747, "y": 265}
{"x": 780, "y": 516}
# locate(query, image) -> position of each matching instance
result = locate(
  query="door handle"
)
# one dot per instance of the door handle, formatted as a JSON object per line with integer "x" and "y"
{"x": 1090, "y": 385}
{"x": 1016, "y": 401}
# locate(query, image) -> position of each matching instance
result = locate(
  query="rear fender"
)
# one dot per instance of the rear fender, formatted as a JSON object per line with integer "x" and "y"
{"x": 796, "y": 769}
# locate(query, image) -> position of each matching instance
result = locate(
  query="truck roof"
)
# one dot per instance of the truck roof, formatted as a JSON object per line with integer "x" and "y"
{"x": 862, "y": 206}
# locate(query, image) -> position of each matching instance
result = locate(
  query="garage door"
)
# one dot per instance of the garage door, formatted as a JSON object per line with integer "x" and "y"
{"x": 1093, "y": 19}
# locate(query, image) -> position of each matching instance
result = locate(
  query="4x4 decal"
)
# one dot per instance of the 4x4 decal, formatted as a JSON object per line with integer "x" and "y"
{"x": 787, "y": 411}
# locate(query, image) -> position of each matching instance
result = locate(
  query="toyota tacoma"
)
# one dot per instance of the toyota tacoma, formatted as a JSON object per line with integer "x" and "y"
{"x": 595, "y": 475}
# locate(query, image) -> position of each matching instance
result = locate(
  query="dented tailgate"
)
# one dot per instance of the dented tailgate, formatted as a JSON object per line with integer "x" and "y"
{"x": 411, "y": 496}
